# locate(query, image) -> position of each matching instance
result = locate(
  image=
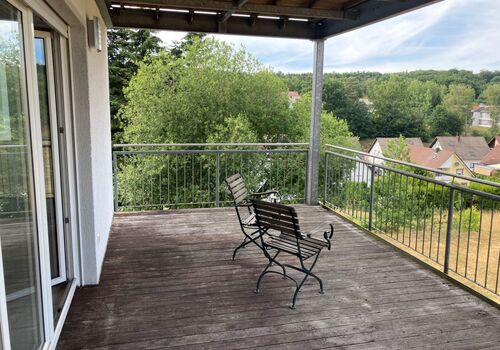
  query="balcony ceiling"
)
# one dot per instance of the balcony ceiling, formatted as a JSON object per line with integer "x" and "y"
{"x": 302, "y": 19}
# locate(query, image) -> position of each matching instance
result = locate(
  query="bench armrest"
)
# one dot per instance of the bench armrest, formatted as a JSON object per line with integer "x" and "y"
{"x": 266, "y": 193}
{"x": 327, "y": 235}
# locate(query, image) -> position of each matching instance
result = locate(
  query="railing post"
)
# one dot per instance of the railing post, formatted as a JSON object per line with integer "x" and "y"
{"x": 372, "y": 183}
{"x": 115, "y": 181}
{"x": 217, "y": 178}
{"x": 325, "y": 181}
{"x": 449, "y": 227}
{"x": 315, "y": 124}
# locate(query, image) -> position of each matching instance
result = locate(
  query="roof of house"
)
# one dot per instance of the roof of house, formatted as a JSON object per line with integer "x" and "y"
{"x": 466, "y": 147}
{"x": 492, "y": 142}
{"x": 480, "y": 108}
{"x": 293, "y": 94}
{"x": 384, "y": 141}
{"x": 428, "y": 157}
{"x": 492, "y": 157}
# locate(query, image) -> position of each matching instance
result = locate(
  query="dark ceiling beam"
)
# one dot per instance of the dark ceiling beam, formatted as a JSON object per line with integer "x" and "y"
{"x": 372, "y": 11}
{"x": 312, "y": 3}
{"x": 150, "y": 19}
{"x": 228, "y": 14}
{"x": 224, "y": 6}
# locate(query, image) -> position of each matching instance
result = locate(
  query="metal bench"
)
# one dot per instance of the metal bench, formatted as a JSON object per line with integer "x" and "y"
{"x": 280, "y": 225}
{"x": 244, "y": 209}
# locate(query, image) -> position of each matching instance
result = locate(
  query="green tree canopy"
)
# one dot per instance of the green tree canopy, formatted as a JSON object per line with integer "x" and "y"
{"x": 126, "y": 49}
{"x": 459, "y": 101}
{"x": 187, "y": 98}
{"x": 341, "y": 99}
{"x": 442, "y": 123}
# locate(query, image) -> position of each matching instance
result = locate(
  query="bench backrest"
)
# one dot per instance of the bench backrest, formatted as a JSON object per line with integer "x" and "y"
{"x": 237, "y": 188}
{"x": 277, "y": 217}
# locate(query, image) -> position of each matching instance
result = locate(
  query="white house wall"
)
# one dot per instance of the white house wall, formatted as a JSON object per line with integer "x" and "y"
{"x": 89, "y": 73}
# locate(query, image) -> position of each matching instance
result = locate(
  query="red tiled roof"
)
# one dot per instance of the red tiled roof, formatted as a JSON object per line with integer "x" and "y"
{"x": 492, "y": 157}
{"x": 429, "y": 158}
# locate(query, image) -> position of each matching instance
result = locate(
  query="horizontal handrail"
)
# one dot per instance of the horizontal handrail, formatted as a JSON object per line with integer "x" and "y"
{"x": 206, "y": 151}
{"x": 243, "y": 144}
{"x": 419, "y": 177}
{"x": 416, "y": 166}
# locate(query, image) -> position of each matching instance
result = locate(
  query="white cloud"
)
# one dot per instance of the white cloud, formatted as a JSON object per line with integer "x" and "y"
{"x": 450, "y": 34}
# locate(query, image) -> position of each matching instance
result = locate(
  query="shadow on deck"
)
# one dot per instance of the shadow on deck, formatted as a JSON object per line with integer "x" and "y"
{"x": 168, "y": 282}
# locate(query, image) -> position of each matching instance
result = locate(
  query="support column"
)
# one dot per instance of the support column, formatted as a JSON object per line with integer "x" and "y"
{"x": 315, "y": 125}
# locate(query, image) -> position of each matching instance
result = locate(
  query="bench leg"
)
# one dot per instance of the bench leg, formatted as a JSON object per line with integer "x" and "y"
{"x": 271, "y": 260}
{"x": 307, "y": 272}
{"x": 245, "y": 242}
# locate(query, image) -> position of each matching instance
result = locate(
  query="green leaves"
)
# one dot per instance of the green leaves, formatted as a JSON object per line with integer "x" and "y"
{"x": 204, "y": 94}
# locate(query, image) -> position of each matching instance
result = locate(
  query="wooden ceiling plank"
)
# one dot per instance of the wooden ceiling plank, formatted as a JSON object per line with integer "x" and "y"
{"x": 223, "y": 6}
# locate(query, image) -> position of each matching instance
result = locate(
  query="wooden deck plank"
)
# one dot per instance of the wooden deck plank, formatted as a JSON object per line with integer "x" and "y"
{"x": 168, "y": 282}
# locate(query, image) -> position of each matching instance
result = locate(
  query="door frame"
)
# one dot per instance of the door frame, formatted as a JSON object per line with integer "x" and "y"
{"x": 27, "y": 8}
{"x": 54, "y": 130}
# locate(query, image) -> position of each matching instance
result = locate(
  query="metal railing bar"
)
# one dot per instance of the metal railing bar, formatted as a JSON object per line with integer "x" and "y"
{"x": 420, "y": 177}
{"x": 242, "y": 144}
{"x": 437, "y": 171}
{"x": 489, "y": 245}
{"x": 479, "y": 238}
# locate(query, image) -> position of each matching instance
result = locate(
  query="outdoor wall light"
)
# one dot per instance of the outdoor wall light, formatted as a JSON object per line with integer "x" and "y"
{"x": 94, "y": 33}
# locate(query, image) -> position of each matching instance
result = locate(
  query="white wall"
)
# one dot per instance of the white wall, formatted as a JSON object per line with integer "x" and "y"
{"x": 89, "y": 70}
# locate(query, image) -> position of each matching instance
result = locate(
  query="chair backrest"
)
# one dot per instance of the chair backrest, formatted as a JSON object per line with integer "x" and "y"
{"x": 277, "y": 217}
{"x": 237, "y": 188}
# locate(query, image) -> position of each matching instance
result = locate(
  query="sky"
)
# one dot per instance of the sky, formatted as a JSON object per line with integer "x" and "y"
{"x": 462, "y": 34}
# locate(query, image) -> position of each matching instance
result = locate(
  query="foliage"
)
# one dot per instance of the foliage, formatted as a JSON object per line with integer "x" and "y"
{"x": 491, "y": 96}
{"x": 459, "y": 101}
{"x": 400, "y": 106}
{"x": 210, "y": 82}
{"x": 341, "y": 99}
{"x": 333, "y": 130}
{"x": 126, "y": 49}
{"x": 443, "y": 123}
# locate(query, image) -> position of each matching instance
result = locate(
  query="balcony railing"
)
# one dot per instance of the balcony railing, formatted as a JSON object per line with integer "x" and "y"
{"x": 445, "y": 223}
{"x": 153, "y": 176}
{"x": 449, "y": 225}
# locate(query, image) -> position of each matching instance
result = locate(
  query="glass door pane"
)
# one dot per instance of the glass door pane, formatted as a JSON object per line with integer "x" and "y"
{"x": 17, "y": 209}
{"x": 43, "y": 55}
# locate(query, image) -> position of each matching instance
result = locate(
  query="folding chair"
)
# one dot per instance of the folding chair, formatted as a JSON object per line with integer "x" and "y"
{"x": 244, "y": 209}
{"x": 289, "y": 240}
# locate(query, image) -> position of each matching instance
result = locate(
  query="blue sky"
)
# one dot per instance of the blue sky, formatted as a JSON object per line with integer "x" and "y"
{"x": 463, "y": 34}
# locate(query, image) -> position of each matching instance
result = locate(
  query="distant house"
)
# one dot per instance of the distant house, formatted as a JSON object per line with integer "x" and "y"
{"x": 379, "y": 147}
{"x": 471, "y": 149}
{"x": 494, "y": 142}
{"x": 293, "y": 96}
{"x": 481, "y": 116}
{"x": 443, "y": 160}
{"x": 490, "y": 164}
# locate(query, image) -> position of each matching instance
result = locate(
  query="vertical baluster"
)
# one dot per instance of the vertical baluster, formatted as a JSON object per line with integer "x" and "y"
{"x": 489, "y": 244}
{"x": 479, "y": 238}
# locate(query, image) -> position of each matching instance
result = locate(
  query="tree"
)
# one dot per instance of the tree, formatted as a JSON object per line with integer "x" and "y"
{"x": 398, "y": 149}
{"x": 400, "y": 106}
{"x": 126, "y": 49}
{"x": 345, "y": 104}
{"x": 492, "y": 97}
{"x": 188, "y": 98}
{"x": 459, "y": 101}
{"x": 333, "y": 131}
{"x": 442, "y": 123}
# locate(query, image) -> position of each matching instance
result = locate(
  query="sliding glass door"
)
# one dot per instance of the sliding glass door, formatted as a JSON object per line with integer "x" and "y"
{"x": 18, "y": 219}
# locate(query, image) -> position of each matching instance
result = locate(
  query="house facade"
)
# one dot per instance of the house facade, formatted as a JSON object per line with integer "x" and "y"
{"x": 380, "y": 144}
{"x": 481, "y": 116}
{"x": 445, "y": 161}
{"x": 471, "y": 149}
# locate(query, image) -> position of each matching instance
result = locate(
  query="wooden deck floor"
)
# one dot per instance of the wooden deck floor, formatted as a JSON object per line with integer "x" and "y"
{"x": 168, "y": 282}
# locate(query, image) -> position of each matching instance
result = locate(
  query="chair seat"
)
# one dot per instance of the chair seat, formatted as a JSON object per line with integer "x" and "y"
{"x": 309, "y": 246}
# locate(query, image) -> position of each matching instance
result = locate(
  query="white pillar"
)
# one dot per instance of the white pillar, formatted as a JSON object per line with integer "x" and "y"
{"x": 314, "y": 138}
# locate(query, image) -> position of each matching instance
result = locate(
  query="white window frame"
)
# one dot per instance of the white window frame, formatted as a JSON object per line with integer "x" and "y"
{"x": 50, "y": 331}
